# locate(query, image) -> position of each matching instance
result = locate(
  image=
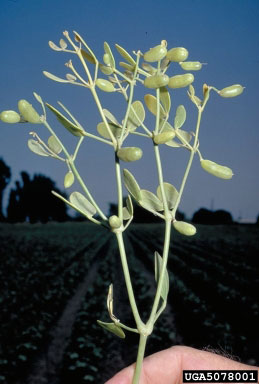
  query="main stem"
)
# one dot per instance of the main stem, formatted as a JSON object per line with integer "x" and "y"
{"x": 140, "y": 357}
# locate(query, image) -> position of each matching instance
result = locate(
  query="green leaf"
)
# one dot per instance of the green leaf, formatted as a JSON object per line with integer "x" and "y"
{"x": 131, "y": 184}
{"x": 107, "y": 50}
{"x": 87, "y": 56}
{"x": 55, "y": 78}
{"x": 180, "y": 117}
{"x": 171, "y": 194}
{"x": 111, "y": 117}
{"x": 113, "y": 328}
{"x": 125, "y": 213}
{"x": 82, "y": 204}
{"x": 103, "y": 131}
{"x": 136, "y": 115}
{"x": 37, "y": 148}
{"x": 185, "y": 136}
{"x": 125, "y": 54}
{"x": 165, "y": 99}
{"x": 106, "y": 70}
{"x": 165, "y": 284}
{"x": 129, "y": 205}
{"x": 150, "y": 201}
{"x": 151, "y": 103}
{"x": 54, "y": 145}
{"x": 71, "y": 127}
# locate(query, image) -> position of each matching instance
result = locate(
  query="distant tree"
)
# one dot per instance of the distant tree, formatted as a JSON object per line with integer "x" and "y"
{"x": 33, "y": 201}
{"x": 205, "y": 216}
{"x": 5, "y": 177}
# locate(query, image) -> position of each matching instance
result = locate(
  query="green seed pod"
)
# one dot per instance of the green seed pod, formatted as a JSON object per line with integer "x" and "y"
{"x": 105, "y": 85}
{"x": 156, "y": 81}
{"x": 155, "y": 54}
{"x": 69, "y": 179}
{"x": 184, "y": 228}
{"x": 216, "y": 169}
{"x": 106, "y": 59}
{"x": 232, "y": 91}
{"x": 191, "y": 65}
{"x": 180, "y": 81}
{"x": 129, "y": 153}
{"x": 28, "y": 112}
{"x": 177, "y": 54}
{"x": 10, "y": 117}
{"x": 164, "y": 137}
{"x": 114, "y": 222}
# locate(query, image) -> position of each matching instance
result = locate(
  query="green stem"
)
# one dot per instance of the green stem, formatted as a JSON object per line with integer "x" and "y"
{"x": 126, "y": 273}
{"x": 140, "y": 357}
{"x": 119, "y": 187}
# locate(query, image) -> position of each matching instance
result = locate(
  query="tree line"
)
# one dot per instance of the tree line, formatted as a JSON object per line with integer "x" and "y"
{"x": 31, "y": 200}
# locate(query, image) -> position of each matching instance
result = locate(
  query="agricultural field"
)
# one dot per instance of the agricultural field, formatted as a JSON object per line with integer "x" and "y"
{"x": 54, "y": 280}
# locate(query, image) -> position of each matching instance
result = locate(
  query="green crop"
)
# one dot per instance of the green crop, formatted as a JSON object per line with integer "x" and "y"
{"x": 167, "y": 130}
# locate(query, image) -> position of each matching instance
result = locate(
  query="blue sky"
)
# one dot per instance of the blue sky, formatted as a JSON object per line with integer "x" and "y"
{"x": 222, "y": 33}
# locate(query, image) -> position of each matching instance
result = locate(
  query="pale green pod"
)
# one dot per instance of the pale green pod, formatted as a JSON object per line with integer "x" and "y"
{"x": 164, "y": 137}
{"x": 129, "y": 153}
{"x": 105, "y": 85}
{"x": 180, "y": 81}
{"x": 191, "y": 65}
{"x": 156, "y": 81}
{"x": 69, "y": 179}
{"x": 184, "y": 228}
{"x": 28, "y": 112}
{"x": 216, "y": 169}
{"x": 106, "y": 59}
{"x": 155, "y": 54}
{"x": 10, "y": 117}
{"x": 177, "y": 54}
{"x": 114, "y": 222}
{"x": 232, "y": 91}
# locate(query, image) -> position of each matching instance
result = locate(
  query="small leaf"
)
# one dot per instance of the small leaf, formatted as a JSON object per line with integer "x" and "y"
{"x": 107, "y": 50}
{"x": 37, "y": 148}
{"x": 54, "y": 145}
{"x": 63, "y": 44}
{"x": 71, "y": 127}
{"x": 54, "y": 46}
{"x": 113, "y": 328}
{"x": 150, "y": 201}
{"x": 151, "y": 103}
{"x": 165, "y": 99}
{"x": 129, "y": 205}
{"x": 131, "y": 184}
{"x": 103, "y": 131}
{"x": 106, "y": 70}
{"x": 87, "y": 56}
{"x": 82, "y": 204}
{"x": 171, "y": 194}
{"x": 185, "y": 136}
{"x": 148, "y": 68}
{"x": 125, "y": 54}
{"x": 55, "y": 78}
{"x": 110, "y": 117}
{"x": 180, "y": 117}
{"x": 136, "y": 115}
{"x": 70, "y": 77}
{"x": 125, "y": 213}
{"x": 165, "y": 284}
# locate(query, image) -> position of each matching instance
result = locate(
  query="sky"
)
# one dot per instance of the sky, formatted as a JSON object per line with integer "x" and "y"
{"x": 223, "y": 34}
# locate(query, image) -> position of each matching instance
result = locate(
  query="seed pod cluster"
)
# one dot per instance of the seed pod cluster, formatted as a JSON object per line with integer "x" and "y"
{"x": 164, "y": 137}
{"x": 180, "y": 81}
{"x": 10, "y": 117}
{"x": 114, "y": 222}
{"x": 69, "y": 179}
{"x": 232, "y": 91}
{"x": 155, "y": 54}
{"x": 28, "y": 112}
{"x": 184, "y": 228}
{"x": 105, "y": 85}
{"x": 156, "y": 81}
{"x": 216, "y": 169}
{"x": 129, "y": 154}
{"x": 177, "y": 54}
